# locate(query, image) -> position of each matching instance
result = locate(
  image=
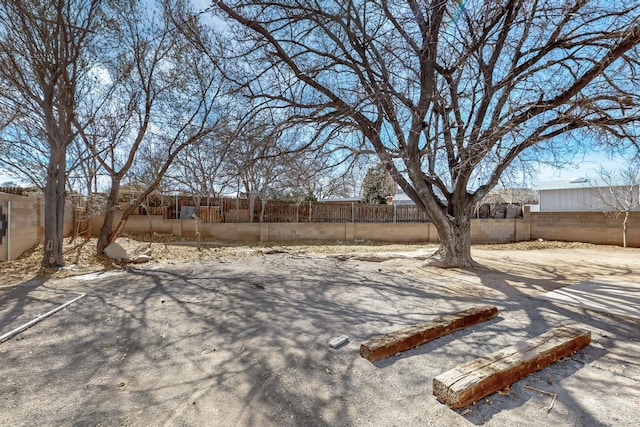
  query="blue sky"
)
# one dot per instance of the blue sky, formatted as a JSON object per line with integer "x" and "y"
{"x": 588, "y": 167}
{"x": 584, "y": 166}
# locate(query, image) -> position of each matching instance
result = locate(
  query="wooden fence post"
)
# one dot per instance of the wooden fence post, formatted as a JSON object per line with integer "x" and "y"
{"x": 221, "y": 207}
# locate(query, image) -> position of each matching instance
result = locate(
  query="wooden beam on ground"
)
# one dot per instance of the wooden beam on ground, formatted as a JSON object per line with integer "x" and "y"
{"x": 471, "y": 381}
{"x": 413, "y": 336}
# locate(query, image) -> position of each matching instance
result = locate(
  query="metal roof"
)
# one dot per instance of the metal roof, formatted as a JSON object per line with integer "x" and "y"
{"x": 574, "y": 183}
{"x": 342, "y": 200}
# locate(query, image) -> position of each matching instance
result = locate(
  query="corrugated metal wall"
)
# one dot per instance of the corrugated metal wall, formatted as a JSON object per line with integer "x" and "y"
{"x": 575, "y": 200}
{"x": 569, "y": 200}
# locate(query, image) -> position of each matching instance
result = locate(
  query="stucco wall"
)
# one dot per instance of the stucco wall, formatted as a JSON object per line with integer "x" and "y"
{"x": 482, "y": 230}
{"x": 266, "y": 232}
{"x": 591, "y": 227}
{"x": 25, "y": 215}
{"x": 24, "y": 225}
{"x": 499, "y": 230}
{"x": 417, "y": 232}
{"x": 27, "y": 229}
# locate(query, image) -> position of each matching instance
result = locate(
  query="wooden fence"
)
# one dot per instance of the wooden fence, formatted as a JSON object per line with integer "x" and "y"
{"x": 210, "y": 214}
{"x": 17, "y": 190}
{"x": 233, "y": 210}
{"x": 341, "y": 212}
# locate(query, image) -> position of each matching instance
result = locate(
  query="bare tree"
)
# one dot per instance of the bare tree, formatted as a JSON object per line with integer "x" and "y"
{"x": 311, "y": 176}
{"x": 620, "y": 194}
{"x": 84, "y": 170}
{"x": 199, "y": 168}
{"x": 44, "y": 49}
{"x": 255, "y": 158}
{"x": 446, "y": 92}
{"x": 24, "y": 151}
{"x": 157, "y": 96}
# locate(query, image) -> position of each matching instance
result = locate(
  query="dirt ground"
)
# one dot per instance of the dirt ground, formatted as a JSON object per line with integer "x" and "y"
{"x": 238, "y": 335}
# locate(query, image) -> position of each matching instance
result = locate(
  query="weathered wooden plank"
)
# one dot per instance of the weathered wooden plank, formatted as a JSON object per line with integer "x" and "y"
{"x": 471, "y": 381}
{"x": 407, "y": 338}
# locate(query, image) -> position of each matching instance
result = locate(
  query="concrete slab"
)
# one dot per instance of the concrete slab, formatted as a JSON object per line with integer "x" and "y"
{"x": 613, "y": 296}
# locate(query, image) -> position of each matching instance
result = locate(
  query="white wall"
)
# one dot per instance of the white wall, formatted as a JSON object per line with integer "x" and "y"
{"x": 574, "y": 200}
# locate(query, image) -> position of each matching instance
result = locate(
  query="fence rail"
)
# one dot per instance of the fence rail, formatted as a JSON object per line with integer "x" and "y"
{"x": 232, "y": 210}
{"x": 340, "y": 212}
{"x": 16, "y": 190}
{"x": 238, "y": 210}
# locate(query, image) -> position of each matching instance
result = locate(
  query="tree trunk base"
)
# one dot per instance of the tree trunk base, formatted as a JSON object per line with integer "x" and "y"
{"x": 442, "y": 258}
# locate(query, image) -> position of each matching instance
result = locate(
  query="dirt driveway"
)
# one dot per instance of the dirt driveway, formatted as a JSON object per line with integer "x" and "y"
{"x": 244, "y": 341}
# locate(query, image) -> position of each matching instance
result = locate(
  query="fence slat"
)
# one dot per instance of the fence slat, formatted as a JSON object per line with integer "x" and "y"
{"x": 228, "y": 209}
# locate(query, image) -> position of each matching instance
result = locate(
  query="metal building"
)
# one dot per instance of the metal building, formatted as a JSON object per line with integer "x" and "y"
{"x": 582, "y": 195}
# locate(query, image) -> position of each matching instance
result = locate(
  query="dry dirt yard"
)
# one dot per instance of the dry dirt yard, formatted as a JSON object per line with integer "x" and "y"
{"x": 238, "y": 335}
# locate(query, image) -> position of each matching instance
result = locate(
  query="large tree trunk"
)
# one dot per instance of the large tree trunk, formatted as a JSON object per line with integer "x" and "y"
{"x": 252, "y": 205}
{"x": 455, "y": 243}
{"x": 451, "y": 218}
{"x": 263, "y": 207}
{"x": 109, "y": 233}
{"x": 106, "y": 235}
{"x": 624, "y": 229}
{"x": 54, "y": 201}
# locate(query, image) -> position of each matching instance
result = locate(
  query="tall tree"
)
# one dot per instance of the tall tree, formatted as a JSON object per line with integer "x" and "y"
{"x": 199, "y": 168}
{"x": 255, "y": 158}
{"x": 156, "y": 94}
{"x": 44, "y": 54}
{"x": 312, "y": 176}
{"x": 446, "y": 92}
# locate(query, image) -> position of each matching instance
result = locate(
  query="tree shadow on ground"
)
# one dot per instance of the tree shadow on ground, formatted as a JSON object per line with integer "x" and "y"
{"x": 539, "y": 316}
{"x": 246, "y": 343}
{"x": 21, "y": 303}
